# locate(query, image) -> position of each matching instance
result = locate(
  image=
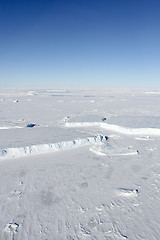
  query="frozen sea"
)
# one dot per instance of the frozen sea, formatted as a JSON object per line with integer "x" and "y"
{"x": 79, "y": 164}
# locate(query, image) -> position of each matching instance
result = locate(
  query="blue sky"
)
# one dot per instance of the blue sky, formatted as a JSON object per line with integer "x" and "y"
{"x": 80, "y": 43}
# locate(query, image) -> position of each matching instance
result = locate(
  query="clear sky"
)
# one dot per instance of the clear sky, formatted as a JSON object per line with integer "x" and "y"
{"x": 80, "y": 43}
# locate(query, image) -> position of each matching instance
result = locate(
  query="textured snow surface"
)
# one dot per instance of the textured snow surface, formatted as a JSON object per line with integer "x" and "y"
{"x": 89, "y": 168}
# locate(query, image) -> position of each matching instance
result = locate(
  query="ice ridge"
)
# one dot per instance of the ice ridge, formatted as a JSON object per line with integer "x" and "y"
{"x": 51, "y": 147}
{"x": 117, "y": 128}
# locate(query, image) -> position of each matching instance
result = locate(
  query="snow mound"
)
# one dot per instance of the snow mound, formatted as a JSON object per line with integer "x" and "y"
{"x": 52, "y": 147}
{"x": 128, "y": 192}
{"x": 116, "y": 128}
{"x": 12, "y": 227}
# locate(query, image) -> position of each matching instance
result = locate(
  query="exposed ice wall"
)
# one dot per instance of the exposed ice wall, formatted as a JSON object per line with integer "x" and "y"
{"x": 120, "y": 129}
{"x": 52, "y": 147}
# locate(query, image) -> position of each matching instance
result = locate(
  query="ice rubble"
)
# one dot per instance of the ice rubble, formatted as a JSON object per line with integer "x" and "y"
{"x": 117, "y": 128}
{"x": 51, "y": 147}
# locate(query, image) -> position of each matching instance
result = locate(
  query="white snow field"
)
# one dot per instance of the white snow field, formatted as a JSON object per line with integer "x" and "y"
{"x": 79, "y": 164}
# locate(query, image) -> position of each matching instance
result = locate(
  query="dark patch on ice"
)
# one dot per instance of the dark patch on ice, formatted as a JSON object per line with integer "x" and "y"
{"x": 4, "y": 152}
{"x": 124, "y": 236}
{"x": 104, "y": 119}
{"x": 106, "y": 138}
{"x": 31, "y": 125}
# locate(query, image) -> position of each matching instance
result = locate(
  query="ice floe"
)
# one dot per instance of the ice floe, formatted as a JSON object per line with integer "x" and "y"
{"x": 104, "y": 148}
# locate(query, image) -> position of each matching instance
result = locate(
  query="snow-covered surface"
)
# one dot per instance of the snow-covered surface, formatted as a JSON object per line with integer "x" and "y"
{"x": 62, "y": 180}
